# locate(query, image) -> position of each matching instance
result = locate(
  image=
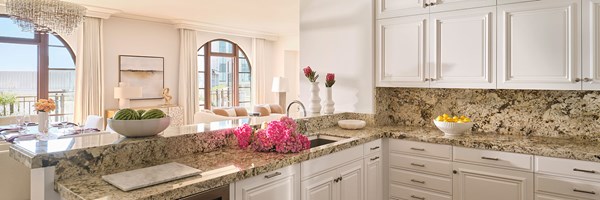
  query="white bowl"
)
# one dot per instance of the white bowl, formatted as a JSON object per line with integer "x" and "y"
{"x": 453, "y": 128}
{"x": 139, "y": 128}
{"x": 352, "y": 124}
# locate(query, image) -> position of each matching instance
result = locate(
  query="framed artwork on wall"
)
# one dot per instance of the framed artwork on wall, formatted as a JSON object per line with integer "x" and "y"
{"x": 146, "y": 72}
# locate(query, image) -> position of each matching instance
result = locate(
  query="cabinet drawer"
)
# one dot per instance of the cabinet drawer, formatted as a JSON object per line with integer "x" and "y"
{"x": 420, "y": 148}
{"x": 421, "y": 180}
{"x": 420, "y": 164}
{"x": 494, "y": 158}
{"x": 314, "y": 166}
{"x": 373, "y": 147}
{"x": 575, "y": 168}
{"x": 407, "y": 193}
{"x": 292, "y": 170}
{"x": 566, "y": 186}
{"x": 550, "y": 197}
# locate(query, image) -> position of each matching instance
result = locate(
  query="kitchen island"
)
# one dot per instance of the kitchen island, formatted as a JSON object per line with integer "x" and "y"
{"x": 79, "y": 171}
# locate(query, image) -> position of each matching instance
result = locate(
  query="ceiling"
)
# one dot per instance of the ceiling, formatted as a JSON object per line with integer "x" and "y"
{"x": 279, "y": 17}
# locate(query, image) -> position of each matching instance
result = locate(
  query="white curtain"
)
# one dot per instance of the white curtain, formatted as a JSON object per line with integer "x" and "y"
{"x": 188, "y": 74}
{"x": 89, "y": 92}
{"x": 259, "y": 79}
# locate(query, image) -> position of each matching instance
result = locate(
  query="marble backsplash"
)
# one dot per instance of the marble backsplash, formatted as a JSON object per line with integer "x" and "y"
{"x": 515, "y": 112}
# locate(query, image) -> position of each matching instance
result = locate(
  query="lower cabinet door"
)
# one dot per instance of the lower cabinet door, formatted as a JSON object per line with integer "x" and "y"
{"x": 279, "y": 184}
{"x": 374, "y": 177}
{"x": 351, "y": 181}
{"x": 473, "y": 182}
{"x": 320, "y": 187}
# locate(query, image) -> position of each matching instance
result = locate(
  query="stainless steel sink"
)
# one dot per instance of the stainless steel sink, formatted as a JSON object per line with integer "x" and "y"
{"x": 320, "y": 140}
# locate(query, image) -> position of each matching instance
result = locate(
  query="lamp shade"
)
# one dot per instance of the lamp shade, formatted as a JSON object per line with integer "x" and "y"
{"x": 279, "y": 84}
{"x": 128, "y": 92}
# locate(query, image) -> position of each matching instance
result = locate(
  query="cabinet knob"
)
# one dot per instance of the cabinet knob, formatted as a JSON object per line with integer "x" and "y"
{"x": 587, "y": 80}
{"x": 432, "y": 79}
{"x": 427, "y": 79}
{"x": 577, "y": 80}
{"x": 454, "y": 172}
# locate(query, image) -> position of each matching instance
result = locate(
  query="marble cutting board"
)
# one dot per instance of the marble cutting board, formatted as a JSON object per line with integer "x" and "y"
{"x": 140, "y": 178}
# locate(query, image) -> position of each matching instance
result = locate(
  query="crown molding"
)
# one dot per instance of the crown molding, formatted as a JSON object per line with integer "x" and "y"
{"x": 100, "y": 12}
{"x": 143, "y": 18}
{"x": 212, "y": 28}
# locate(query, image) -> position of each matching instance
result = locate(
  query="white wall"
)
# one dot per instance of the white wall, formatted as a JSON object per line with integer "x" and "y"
{"x": 336, "y": 36}
{"x": 135, "y": 37}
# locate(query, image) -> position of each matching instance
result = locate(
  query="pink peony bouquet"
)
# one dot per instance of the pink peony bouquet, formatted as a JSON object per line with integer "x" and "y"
{"x": 279, "y": 136}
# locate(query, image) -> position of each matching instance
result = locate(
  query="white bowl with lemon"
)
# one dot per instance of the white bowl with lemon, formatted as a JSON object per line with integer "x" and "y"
{"x": 453, "y": 125}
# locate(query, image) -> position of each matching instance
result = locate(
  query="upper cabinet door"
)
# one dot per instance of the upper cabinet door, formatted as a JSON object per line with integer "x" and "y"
{"x": 395, "y": 8}
{"x": 591, "y": 45}
{"x": 539, "y": 45}
{"x": 446, "y": 5}
{"x": 401, "y": 52}
{"x": 463, "y": 48}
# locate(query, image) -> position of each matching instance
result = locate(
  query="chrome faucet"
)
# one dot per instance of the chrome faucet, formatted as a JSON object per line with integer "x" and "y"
{"x": 294, "y": 102}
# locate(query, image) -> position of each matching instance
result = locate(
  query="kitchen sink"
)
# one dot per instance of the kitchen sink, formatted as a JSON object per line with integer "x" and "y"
{"x": 320, "y": 140}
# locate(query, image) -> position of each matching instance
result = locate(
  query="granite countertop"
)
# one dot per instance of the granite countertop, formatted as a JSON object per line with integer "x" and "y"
{"x": 230, "y": 164}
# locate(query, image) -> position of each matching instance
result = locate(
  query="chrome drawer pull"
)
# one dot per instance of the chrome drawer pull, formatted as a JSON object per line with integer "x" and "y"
{"x": 416, "y": 197}
{"x": 374, "y": 148}
{"x": 373, "y": 159}
{"x": 583, "y": 191}
{"x": 417, "y": 181}
{"x": 488, "y": 158}
{"x": 273, "y": 175}
{"x": 418, "y": 165}
{"x": 584, "y": 171}
{"x": 417, "y": 149}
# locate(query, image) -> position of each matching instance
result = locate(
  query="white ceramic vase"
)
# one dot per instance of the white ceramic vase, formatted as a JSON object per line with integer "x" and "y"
{"x": 315, "y": 100}
{"x": 329, "y": 104}
{"x": 43, "y": 122}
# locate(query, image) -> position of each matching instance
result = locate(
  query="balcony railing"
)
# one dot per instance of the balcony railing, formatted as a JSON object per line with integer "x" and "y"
{"x": 24, "y": 105}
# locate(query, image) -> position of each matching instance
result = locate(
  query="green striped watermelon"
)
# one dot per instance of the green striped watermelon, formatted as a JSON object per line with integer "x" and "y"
{"x": 153, "y": 114}
{"x": 126, "y": 114}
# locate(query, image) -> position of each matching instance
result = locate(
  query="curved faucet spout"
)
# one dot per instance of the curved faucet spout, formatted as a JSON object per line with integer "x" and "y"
{"x": 295, "y": 102}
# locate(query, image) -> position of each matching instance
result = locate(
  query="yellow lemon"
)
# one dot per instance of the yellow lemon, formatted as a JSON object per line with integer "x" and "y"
{"x": 439, "y": 118}
{"x": 445, "y": 115}
{"x": 455, "y": 118}
{"x": 467, "y": 119}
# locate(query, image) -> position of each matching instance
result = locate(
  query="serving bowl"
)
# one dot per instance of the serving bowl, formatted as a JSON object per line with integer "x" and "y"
{"x": 453, "y": 128}
{"x": 352, "y": 124}
{"x": 139, "y": 128}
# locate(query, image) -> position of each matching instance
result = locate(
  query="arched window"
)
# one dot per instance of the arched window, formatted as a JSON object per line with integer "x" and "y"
{"x": 34, "y": 66}
{"x": 224, "y": 75}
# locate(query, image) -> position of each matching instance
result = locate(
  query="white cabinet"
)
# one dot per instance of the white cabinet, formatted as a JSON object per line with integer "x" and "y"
{"x": 474, "y": 182}
{"x": 463, "y": 48}
{"x": 395, "y": 8}
{"x": 591, "y": 45}
{"x": 570, "y": 179}
{"x": 446, "y": 5}
{"x": 444, "y": 50}
{"x": 401, "y": 52}
{"x": 280, "y": 184}
{"x": 539, "y": 45}
{"x": 374, "y": 177}
{"x": 345, "y": 182}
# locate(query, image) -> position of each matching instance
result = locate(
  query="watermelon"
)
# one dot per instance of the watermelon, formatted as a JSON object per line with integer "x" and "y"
{"x": 153, "y": 114}
{"x": 141, "y": 112}
{"x": 126, "y": 114}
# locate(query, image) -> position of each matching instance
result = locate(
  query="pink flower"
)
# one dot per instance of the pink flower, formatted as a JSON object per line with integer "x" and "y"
{"x": 307, "y": 71}
{"x": 310, "y": 74}
{"x": 280, "y": 136}
{"x": 243, "y": 135}
{"x": 329, "y": 79}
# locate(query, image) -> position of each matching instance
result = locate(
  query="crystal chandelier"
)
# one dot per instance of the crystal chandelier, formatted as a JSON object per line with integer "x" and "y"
{"x": 45, "y": 16}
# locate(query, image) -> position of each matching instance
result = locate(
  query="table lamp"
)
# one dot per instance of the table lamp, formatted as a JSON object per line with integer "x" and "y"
{"x": 125, "y": 93}
{"x": 280, "y": 86}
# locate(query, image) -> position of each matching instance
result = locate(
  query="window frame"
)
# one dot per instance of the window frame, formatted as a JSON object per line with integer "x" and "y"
{"x": 235, "y": 56}
{"x": 41, "y": 40}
